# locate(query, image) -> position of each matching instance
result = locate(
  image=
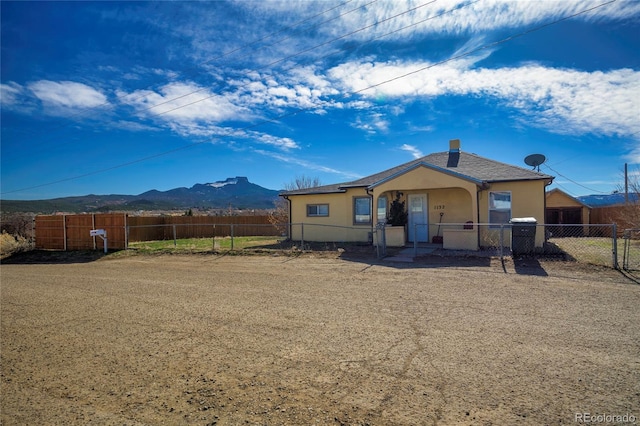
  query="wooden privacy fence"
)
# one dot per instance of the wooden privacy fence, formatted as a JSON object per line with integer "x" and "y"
{"x": 71, "y": 232}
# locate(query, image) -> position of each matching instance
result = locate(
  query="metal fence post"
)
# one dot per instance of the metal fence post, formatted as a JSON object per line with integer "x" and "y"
{"x": 615, "y": 245}
{"x": 502, "y": 242}
{"x": 232, "y": 236}
{"x": 302, "y": 236}
{"x": 64, "y": 230}
{"x": 415, "y": 240}
{"x": 175, "y": 241}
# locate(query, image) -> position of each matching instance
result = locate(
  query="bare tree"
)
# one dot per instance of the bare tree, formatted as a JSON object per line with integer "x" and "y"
{"x": 302, "y": 182}
{"x": 280, "y": 216}
{"x": 628, "y": 214}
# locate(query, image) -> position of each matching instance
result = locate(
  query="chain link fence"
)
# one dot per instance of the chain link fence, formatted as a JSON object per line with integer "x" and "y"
{"x": 595, "y": 244}
{"x": 631, "y": 249}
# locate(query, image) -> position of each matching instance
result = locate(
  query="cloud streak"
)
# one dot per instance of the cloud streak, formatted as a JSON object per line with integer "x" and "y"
{"x": 559, "y": 100}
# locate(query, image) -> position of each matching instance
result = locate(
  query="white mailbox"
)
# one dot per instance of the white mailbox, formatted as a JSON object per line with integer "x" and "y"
{"x": 102, "y": 234}
{"x": 98, "y": 233}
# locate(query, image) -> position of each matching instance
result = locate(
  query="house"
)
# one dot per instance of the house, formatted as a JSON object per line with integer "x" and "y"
{"x": 453, "y": 186}
{"x": 563, "y": 209}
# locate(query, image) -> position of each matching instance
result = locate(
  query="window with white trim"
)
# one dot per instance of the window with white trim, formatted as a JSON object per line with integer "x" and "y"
{"x": 361, "y": 210}
{"x": 317, "y": 210}
{"x": 499, "y": 207}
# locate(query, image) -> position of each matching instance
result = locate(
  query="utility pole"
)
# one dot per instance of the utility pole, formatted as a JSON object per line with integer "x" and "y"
{"x": 626, "y": 184}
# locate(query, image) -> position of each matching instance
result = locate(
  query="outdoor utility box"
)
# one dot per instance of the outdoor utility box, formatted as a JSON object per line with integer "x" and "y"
{"x": 523, "y": 235}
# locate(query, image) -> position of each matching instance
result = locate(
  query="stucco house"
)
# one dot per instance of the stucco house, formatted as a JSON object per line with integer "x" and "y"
{"x": 454, "y": 187}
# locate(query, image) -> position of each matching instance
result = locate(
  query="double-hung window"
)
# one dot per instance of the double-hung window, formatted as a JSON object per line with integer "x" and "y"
{"x": 317, "y": 210}
{"x": 361, "y": 210}
{"x": 499, "y": 207}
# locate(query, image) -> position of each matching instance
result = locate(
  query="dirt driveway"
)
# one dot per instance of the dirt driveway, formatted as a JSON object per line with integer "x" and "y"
{"x": 315, "y": 340}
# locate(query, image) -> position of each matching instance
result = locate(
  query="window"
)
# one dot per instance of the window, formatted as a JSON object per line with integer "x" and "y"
{"x": 361, "y": 210}
{"x": 317, "y": 210}
{"x": 382, "y": 209}
{"x": 499, "y": 207}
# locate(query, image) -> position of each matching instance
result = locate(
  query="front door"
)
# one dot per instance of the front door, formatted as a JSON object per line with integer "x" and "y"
{"x": 418, "y": 220}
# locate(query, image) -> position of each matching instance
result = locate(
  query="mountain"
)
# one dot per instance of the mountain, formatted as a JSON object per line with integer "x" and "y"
{"x": 236, "y": 192}
{"x": 607, "y": 200}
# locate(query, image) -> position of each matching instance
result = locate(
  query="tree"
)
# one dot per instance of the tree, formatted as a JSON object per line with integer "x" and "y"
{"x": 280, "y": 216}
{"x": 397, "y": 212}
{"x": 628, "y": 214}
{"x": 302, "y": 182}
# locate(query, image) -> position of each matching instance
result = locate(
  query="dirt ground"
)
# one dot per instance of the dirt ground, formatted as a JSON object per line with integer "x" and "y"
{"x": 270, "y": 340}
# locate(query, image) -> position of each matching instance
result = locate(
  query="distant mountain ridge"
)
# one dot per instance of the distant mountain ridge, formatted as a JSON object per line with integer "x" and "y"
{"x": 235, "y": 192}
{"x": 607, "y": 199}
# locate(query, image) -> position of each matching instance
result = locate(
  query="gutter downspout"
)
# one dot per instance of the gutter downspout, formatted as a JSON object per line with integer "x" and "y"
{"x": 482, "y": 187}
{"x": 289, "y": 224}
{"x": 370, "y": 194}
{"x": 544, "y": 219}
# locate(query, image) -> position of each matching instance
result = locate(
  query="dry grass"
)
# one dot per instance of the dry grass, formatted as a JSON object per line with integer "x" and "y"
{"x": 10, "y": 245}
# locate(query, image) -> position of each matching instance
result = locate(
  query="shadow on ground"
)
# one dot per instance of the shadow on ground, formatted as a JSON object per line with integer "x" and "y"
{"x": 529, "y": 266}
{"x": 53, "y": 257}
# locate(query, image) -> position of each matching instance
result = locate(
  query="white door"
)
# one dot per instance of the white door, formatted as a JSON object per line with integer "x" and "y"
{"x": 418, "y": 219}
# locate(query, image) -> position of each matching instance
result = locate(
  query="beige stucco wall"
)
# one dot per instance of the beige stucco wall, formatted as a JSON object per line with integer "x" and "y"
{"x": 527, "y": 200}
{"x": 455, "y": 203}
{"x": 451, "y": 195}
{"x": 338, "y": 226}
{"x": 446, "y": 194}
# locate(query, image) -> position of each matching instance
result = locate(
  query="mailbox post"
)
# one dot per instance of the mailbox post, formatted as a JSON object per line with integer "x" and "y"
{"x": 102, "y": 234}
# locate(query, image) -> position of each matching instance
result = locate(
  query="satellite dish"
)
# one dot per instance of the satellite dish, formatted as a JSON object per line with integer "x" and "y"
{"x": 534, "y": 160}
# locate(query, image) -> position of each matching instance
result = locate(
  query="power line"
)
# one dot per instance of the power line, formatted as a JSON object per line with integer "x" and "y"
{"x": 573, "y": 181}
{"x": 83, "y": 112}
{"x": 293, "y": 55}
{"x": 299, "y": 110}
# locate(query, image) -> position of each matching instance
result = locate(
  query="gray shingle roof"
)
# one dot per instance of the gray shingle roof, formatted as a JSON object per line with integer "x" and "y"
{"x": 465, "y": 165}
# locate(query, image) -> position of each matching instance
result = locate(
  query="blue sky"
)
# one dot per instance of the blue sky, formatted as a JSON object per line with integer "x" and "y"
{"x": 124, "y": 97}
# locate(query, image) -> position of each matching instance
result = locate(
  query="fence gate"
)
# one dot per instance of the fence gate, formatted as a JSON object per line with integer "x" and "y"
{"x": 631, "y": 249}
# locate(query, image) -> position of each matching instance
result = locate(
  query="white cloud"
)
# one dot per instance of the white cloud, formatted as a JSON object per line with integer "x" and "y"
{"x": 463, "y": 17}
{"x": 9, "y": 93}
{"x": 372, "y": 124}
{"x": 560, "y": 100}
{"x": 414, "y": 151}
{"x": 184, "y": 103}
{"x": 134, "y": 126}
{"x": 307, "y": 164}
{"x": 65, "y": 95}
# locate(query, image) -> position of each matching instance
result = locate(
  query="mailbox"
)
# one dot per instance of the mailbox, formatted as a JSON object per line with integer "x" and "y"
{"x": 98, "y": 233}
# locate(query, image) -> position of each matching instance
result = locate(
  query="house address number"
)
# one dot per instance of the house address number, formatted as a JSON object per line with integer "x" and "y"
{"x": 438, "y": 207}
